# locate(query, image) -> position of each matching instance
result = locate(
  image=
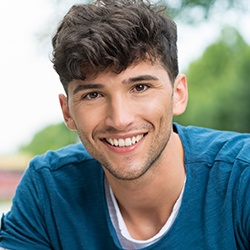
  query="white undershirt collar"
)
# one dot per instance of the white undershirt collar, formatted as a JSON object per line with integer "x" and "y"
{"x": 126, "y": 241}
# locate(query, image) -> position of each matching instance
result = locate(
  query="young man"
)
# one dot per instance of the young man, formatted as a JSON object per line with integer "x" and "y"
{"x": 139, "y": 181}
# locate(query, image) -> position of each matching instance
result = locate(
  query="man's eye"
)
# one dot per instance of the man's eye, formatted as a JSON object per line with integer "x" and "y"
{"x": 140, "y": 87}
{"x": 91, "y": 96}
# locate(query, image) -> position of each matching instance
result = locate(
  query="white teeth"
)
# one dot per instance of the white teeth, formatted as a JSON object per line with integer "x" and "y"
{"x": 121, "y": 142}
{"x": 128, "y": 142}
{"x": 133, "y": 140}
{"x": 116, "y": 143}
{"x": 124, "y": 142}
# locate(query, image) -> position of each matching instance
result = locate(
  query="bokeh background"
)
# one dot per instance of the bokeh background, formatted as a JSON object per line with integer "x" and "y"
{"x": 214, "y": 53}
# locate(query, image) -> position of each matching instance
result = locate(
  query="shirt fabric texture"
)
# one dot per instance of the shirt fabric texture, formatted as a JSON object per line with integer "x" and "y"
{"x": 60, "y": 202}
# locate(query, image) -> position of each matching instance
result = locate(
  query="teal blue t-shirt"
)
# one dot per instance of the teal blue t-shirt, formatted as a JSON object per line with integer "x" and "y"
{"x": 60, "y": 202}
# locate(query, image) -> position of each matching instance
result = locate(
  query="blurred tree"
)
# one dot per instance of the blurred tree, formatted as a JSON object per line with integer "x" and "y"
{"x": 191, "y": 10}
{"x": 194, "y": 11}
{"x": 50, "y": 138}
{"x": 219, "y": 87}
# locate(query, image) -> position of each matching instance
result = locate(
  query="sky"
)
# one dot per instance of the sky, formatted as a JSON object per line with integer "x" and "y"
{"x": 29, "y": 84}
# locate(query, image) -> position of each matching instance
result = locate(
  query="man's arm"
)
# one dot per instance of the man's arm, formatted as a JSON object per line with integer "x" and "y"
{"x": 24, "y": 226}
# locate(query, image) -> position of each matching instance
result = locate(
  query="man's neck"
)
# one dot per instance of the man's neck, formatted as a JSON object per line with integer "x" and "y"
{"x": 146, "y": 203}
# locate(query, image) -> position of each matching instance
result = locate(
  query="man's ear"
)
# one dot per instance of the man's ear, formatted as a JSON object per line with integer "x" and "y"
{"x": 66, "y": 113}
{"x": 180, "y": 95}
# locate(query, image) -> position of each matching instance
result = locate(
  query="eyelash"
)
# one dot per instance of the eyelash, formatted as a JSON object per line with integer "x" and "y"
{"x": 133, "y": 89}
{"x": 87, "y": 96}
{"x": 145, "y": 87}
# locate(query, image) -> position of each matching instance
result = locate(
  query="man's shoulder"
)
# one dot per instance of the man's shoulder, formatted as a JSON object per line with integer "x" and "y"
{"x": 74, "y": 154}
{"x": 210, "y": 144}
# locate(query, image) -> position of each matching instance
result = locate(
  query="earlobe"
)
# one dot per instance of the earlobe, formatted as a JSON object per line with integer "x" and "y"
{"x": 180, "y": 95}
{"x": 66, "y": 113}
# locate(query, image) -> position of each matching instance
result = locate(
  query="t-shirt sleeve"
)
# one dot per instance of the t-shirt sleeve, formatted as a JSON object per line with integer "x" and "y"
{"x": 24, "y": 226}
{"x": 243, "y": 209}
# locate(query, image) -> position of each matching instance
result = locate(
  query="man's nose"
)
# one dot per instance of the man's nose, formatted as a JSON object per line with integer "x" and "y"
{"x": 120, "y": 113}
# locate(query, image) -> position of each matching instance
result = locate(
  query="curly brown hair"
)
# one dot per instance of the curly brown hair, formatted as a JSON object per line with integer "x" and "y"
{"x": 113, "y": 34}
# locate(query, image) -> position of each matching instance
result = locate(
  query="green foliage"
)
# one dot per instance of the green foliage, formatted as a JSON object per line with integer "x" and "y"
{"x": 50, "y": 138}
{"x": 194, "y": 11}
{"x": 219, "y": 88}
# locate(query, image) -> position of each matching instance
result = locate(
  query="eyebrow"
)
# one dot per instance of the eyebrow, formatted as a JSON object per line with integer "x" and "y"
{"x": 130, "y": 80}
{"x": 87, "y": 86}
{"x": 139, "y": 79}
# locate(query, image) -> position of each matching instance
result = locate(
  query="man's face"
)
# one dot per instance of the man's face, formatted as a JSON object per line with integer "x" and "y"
{"x": 124, "y": 120}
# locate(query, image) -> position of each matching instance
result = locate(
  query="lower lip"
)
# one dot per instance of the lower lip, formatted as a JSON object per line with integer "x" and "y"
{"x": 124, "y": 149}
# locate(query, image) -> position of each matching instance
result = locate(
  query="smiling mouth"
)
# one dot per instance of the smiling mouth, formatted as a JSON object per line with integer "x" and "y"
{"x": 126, "y": 142}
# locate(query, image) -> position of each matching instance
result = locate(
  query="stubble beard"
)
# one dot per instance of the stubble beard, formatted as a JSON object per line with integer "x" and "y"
{"x": 132, "y": 172}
